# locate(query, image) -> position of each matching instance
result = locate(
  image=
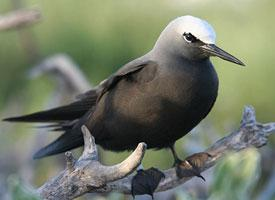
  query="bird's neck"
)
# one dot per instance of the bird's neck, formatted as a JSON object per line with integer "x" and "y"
{"x": 170, "y": 58}
{"x": 163, "y": 49}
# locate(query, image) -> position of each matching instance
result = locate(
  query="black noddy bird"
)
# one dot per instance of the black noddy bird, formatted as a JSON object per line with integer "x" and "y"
{"x": 157, "y": 98}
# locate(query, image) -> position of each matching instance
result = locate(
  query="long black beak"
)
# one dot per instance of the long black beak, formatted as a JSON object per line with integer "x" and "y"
{"x": 213, "y": 50}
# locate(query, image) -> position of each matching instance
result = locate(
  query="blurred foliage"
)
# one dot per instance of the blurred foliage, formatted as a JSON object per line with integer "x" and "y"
{"x": 236, "y": 175}
{"x": 19, "y": 190}
{"x": 182, "y": 195}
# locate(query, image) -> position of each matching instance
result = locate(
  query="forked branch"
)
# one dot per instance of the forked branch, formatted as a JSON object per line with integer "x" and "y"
{"x": 88, "y": 175}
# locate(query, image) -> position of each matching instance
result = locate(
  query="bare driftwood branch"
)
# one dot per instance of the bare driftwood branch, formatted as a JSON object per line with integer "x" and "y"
{"x": 19, "y": 18}
{"x": 88, "y": 175}
{"x": 65, "y": 70}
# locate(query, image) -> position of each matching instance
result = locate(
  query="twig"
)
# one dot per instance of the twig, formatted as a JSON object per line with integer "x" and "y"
{"x": 88, "y": 178}
{"x": 19, "y": 18}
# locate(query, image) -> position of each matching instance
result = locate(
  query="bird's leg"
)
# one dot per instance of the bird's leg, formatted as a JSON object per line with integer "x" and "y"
{"x": 191, "y": 165}
{"x": 146, "y": 181}
{"x": 176, "y": 158}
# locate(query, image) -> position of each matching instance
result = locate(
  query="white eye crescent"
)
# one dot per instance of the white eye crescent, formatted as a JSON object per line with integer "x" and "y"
{"x": 188, "y": 37}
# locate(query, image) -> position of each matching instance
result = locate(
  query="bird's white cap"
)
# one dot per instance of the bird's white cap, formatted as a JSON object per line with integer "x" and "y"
{"x": 199, "y": 28}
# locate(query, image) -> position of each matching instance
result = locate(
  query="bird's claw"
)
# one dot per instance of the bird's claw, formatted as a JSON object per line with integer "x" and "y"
{"x": 146, "y": 181}
{"x": 191, "y": 165}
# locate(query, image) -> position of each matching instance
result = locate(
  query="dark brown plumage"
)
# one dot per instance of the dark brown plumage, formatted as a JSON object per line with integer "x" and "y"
{"x": 134, "y": 110}
{"x": 156, "y": 99}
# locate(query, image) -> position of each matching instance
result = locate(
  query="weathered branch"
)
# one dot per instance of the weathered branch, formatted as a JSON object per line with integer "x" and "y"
{"x": 65, "y": 70}
{"x": 19, "y": 18}
{"x": 88, "y": 175}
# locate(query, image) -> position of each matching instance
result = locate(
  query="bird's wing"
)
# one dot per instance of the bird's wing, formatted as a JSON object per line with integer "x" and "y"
{"x": 69, "y": 118}
{"x": 85, "y": 102}
{"x": 125, "y": 71}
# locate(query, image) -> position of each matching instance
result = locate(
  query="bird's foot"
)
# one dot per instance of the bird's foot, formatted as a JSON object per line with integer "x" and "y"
{"x": 191, "y": 165}
{"x": 146, "y": 181}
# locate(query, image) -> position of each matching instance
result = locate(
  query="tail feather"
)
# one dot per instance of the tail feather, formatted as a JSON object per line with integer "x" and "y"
{"x": 67, "y": 141}
{"x": 59, "y": 126}
{"x": 70, "y": 139}
{"x": 68, "y": 118}
{"x": 63, "y": 113}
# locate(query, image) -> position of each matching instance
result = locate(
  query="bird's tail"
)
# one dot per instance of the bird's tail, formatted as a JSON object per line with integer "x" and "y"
{"x": 69, "y": 140}
{"x": 68, "y": 118}
{"x": 64, "y": 113}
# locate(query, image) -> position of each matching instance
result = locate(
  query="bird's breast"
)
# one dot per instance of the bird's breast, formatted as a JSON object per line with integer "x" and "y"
{"x": 160, "y": 110}
{"x": 178, "y": 92}
{"x": 188, "y": 93}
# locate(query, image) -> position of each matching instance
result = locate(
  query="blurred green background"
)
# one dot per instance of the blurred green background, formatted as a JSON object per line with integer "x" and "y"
{"x": 101, "y": 36}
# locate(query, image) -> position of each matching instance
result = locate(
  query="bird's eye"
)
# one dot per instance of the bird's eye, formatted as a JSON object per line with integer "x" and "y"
{"x": 189, "y": 37}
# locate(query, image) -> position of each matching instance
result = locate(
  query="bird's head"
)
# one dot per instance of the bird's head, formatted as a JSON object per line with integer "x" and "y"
{"x": 192, "y": 38}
